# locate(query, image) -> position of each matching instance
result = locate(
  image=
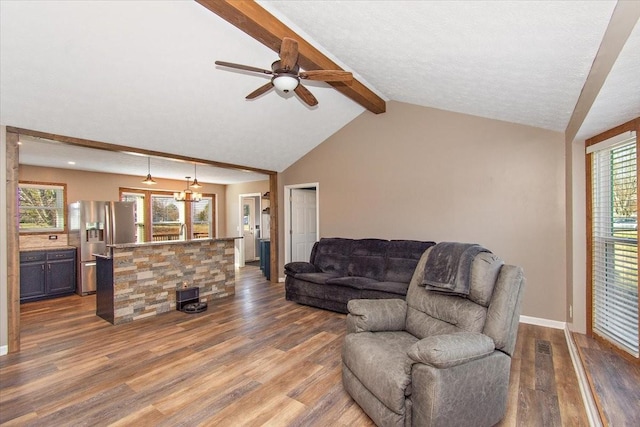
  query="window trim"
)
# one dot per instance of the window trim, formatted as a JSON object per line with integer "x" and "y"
{"x": 65, "y": 229}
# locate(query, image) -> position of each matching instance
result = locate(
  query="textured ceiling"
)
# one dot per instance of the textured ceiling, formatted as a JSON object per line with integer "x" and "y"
{"x": 620, "y": 93}
{"x": 517, "y": 61}
{"x": 142, "y": 73}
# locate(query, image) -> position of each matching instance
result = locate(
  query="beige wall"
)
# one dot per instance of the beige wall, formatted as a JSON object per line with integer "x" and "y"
{"x": 103, "y": 186}
{"x": 421, "y": 173}
{"x": 233, "y": 205}
{"x": 233, "y": 210}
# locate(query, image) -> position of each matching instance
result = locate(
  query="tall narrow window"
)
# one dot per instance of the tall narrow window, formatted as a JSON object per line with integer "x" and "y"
{"x": 139, "y": 200}
{"x": 167, "y": 218}
{"x": 614, "y": 241}
{"x": 202, "y": 213}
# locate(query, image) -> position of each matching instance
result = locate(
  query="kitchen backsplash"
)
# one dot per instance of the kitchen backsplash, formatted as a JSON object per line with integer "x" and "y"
{"x": 42, "y": 241}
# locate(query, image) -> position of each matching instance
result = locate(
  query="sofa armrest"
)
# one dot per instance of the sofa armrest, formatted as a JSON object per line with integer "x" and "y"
{"x": 372, "y": 315}
{"x": 444, "y": 351}
{"x": 294, "y": 268}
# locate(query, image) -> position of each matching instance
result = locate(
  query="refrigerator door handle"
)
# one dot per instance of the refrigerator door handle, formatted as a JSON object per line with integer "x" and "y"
{"x": 110, "y": 219}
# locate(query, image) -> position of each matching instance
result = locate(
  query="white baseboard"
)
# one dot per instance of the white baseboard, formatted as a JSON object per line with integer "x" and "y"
{"x": 4, "y": 349}
{"x": 587, "y": 398}
{"x": 538, "y": 321}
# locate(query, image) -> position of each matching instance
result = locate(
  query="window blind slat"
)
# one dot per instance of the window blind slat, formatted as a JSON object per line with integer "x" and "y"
{"x": 615, "y": 244}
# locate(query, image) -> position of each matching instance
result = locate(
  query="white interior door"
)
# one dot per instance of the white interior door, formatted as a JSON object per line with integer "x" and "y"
{"x": 303, "y": 223}
{"x": 249, "y": 228}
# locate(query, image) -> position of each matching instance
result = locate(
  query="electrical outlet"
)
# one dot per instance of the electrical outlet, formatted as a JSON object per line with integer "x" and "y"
{"x": 570, "y": 311}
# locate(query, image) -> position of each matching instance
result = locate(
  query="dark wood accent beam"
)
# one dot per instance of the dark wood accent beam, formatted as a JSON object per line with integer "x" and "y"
{"x": 273, "y": 230}
{"x": 13, "y": 245}
{"x": 251, "y": 18}
{"x": 125, "y": 149}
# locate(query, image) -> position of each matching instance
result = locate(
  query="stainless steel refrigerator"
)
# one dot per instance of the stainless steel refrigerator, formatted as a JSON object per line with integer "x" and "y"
{"x": 92, "y": 226}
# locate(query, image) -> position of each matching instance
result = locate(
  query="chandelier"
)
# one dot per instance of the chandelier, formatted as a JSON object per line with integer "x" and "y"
{"x": 187, "y": 195}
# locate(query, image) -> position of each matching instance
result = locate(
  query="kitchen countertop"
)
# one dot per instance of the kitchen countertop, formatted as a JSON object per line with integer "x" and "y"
{"x": 169, "y": 242}
{"x": 47, "y": 248}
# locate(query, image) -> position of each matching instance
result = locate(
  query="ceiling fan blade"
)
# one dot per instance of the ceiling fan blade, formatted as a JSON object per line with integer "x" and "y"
{"x": 327, "y": 75}
{"x": 305, "y": 95}
{"x": 243, "y": 67}
{"x": 262, "y": 89}
{"x": 288, "y": 53}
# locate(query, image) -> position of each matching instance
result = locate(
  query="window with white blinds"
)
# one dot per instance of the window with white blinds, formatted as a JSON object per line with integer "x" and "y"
{"x": 614, "y": 241}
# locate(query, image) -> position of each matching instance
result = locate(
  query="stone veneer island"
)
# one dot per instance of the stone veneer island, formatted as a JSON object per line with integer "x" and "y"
{"x": 139, "y": 280}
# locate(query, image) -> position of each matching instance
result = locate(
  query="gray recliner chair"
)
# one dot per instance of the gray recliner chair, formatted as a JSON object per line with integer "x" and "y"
{"x": 436, "y": 359}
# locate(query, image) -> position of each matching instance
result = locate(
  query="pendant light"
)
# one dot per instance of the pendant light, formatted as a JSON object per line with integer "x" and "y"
{"x": 195, "y": 184}
{"x": 148, "y": 180}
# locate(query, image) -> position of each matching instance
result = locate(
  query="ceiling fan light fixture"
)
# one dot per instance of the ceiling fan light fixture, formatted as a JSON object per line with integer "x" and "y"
{"x": 285, "y": 83}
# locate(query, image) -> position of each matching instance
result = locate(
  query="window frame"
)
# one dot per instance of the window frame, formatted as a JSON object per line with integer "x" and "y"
{"x": 211, "y": 200}
{"x": 148, "y": 201}
{"x": 633, "y": 125}
{"x": 42, "y": 231}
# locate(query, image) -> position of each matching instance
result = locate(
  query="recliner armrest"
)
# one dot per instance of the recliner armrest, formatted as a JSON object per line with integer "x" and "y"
{"x": 375, "y": 315}
{"x": 294, "y": 268}
{"x": 444, "y": 351}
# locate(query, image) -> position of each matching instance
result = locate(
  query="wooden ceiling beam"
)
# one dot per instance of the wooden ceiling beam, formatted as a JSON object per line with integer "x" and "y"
{"x": 98, "y": 145}
{"x": 251, "y": 18}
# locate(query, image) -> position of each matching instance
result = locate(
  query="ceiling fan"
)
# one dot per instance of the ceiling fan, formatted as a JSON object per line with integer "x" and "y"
{"x": 286, "y": 74}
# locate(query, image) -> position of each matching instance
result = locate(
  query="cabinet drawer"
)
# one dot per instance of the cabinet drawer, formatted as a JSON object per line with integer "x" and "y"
{"x": 63, "y": 254}
{"x": 32, "y": 256}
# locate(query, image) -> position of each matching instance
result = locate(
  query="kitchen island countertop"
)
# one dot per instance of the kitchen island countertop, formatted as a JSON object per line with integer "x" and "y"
{"x": 170, "y": 242}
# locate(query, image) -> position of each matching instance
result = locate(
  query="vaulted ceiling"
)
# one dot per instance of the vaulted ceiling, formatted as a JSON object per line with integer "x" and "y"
{"x": 142, "y": 73}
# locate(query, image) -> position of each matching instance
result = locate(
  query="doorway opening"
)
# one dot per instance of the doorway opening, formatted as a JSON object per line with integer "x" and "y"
{"x": 250, "y": 228}
{"x": 302, "y": 220}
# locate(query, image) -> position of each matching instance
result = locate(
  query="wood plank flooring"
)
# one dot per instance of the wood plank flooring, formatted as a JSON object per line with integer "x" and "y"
{"x": 615, "y": 382}
{"x": 252, "y": 359}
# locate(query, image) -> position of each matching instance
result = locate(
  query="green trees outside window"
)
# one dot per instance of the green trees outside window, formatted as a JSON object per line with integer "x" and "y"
{"x": 42, "y": 207}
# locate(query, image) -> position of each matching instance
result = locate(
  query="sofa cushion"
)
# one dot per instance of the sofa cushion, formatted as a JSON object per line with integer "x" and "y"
{"x": 319, "y": 278}
{"x": 332, "y": 255}
{"x": 294, "y": 268}
{"x": 367, "y": 353}
{"x": 402, "y": 258}
{"x": 397, "y": 288}
{"x": 367, "y": 258}
{"x": 371, "y": 267}
{"x": 352, "y": 281}
{"x": 369, "y": 247}
{"x": 484, "y": 274}
{"x": 456, "y": 311}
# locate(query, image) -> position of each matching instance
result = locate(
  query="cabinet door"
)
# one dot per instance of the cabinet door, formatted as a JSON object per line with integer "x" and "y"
{"x": 32, "y": 278}
{"x": 61, "y": 276}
